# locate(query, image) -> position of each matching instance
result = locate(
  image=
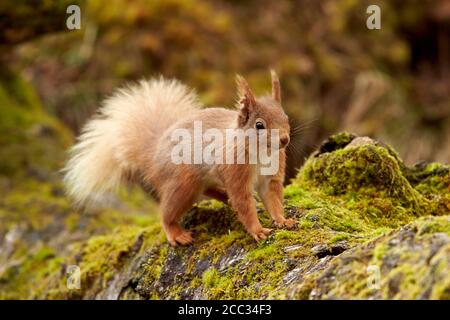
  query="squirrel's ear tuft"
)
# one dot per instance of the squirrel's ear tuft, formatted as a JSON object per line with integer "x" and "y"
{"x": 276, "y": 88}
{"x": 246, "y": 100}
{"x": 245, "y": 94}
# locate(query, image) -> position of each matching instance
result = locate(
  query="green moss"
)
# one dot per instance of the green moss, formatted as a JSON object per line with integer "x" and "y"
{"x": 263, "y": 252}
{"x": 216, "y": 284}
{"x": 210, "y": 278}
{"x": 379, "y": 252}
{"x": 103, "y": 254}
{"x": 430, "y": 226}
{"x": 340, "y": 237}
{"x": 32, "y": 277}
{"x": 39, "y": 210}
{"x": 368, "y": 182}
{"x": 441, "y": 288}
{"x": 433, "y": 182}
{"x": 412, "y": 264}
{"x": 364, "y": 169}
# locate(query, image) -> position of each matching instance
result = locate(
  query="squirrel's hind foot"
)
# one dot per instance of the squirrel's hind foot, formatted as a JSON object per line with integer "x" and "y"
{"x": 261, "y": 234}
{"x": 285, "y": 224}
{"x": 181, "y": 237}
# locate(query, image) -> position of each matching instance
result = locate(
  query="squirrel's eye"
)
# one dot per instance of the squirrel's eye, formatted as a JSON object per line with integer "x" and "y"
{"x": 259, "y": 125}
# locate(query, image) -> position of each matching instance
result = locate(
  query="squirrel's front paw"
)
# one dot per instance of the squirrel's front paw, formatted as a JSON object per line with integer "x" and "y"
{"x": 261, "y": 234}
{"x": 285, "y": 223}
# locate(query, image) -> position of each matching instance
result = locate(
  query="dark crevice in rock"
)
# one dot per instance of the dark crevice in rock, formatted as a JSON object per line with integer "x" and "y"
{"x": 323, "y": 250}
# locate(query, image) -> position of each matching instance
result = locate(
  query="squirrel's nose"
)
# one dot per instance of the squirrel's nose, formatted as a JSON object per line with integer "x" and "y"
{"x": 284, "y": 141}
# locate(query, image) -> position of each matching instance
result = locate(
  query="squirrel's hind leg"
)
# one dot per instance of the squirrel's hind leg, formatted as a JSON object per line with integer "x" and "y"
{"x": 176, "y": 199}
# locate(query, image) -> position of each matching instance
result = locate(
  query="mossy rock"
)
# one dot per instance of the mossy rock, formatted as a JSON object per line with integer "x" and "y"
{"x": 357, "y": 206}
{"x": 409, "y": 263}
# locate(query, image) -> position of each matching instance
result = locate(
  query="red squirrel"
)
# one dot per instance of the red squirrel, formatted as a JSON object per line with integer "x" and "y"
{"x": 130, "y": 140}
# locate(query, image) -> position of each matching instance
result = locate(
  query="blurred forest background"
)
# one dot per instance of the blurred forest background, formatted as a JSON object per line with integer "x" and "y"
{"x": 392, "y": 84}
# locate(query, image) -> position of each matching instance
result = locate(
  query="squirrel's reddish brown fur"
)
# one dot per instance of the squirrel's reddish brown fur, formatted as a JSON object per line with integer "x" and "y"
{"x": 130, "y": 140}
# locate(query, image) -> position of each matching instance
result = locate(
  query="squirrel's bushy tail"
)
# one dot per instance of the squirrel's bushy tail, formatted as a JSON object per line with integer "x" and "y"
{"x": 122, "y": 138}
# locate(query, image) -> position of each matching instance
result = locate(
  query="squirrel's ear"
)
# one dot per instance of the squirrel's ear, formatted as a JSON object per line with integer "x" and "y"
{"x": 245, "y": 94}
{"x": 246, "y": 100}
{"x": 276, "y": 88}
